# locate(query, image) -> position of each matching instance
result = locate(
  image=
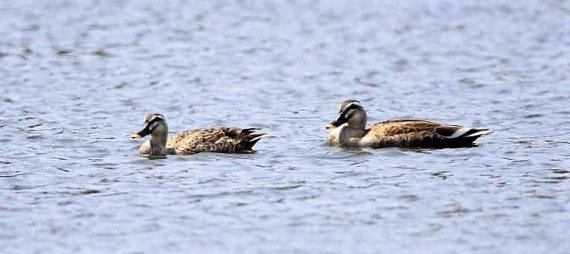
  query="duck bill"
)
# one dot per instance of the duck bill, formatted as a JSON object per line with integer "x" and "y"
{"x": 145, "y": 131}
{"x": 340, "y": 120}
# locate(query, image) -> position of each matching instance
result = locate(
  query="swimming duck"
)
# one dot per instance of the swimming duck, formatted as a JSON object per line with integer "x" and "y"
{"x": 349, "y": 130}
{"x": 219, "y": 140}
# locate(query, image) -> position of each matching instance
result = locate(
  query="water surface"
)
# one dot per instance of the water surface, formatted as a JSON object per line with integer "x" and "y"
{"x": 79, "y": 76}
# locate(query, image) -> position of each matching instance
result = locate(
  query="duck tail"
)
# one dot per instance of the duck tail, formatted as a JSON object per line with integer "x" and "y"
{"x": 476, "y": 133}
{"x": 466, "y": 136}
{"x": 248, "y": 138}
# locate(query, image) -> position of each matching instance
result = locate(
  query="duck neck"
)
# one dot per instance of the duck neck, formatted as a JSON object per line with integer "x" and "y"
{"x": 158, "y": 145}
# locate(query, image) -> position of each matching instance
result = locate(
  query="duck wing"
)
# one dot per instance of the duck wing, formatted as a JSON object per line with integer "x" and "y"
{"x": 220, "y": 140}
{"x": 422, "y": 133}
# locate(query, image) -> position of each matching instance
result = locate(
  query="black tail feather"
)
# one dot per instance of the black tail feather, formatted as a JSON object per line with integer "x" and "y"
{"x": 249, "y": 137}
{"x": 465, "y": 136}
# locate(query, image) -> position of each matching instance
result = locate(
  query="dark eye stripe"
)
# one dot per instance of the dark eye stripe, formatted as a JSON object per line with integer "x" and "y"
{"x": 154, "y": 120}
{"x": 151, "y": 117}
{"x": 353, "y": 106}
{"x": 348, "y": 114}
{"x": 152, "y": 126}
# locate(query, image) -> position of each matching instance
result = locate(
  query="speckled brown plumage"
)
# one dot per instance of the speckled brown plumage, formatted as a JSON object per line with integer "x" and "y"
{"x": 220, "y": 140}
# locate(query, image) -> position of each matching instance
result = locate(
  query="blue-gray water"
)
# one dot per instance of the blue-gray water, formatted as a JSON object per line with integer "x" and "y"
{"x": 77, "y": 77}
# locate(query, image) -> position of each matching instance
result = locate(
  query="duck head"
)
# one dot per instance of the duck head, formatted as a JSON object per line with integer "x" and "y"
{"x": 155, "y": 126}
{"x": 351, "y": 112}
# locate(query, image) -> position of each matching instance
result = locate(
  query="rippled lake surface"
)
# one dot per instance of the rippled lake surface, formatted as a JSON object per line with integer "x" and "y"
{"x": 77, "y": 77}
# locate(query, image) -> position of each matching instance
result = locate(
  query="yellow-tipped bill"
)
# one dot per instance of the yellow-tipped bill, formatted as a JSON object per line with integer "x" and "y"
{"x": 330, "y": 126}
{"x": 136, "y": 136}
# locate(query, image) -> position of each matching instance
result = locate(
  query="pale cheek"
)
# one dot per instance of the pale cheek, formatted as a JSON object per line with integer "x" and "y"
{"x": 354, "y": 121}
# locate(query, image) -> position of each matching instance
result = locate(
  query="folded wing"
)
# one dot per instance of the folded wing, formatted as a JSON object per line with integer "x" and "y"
{"x": 421, "y": 133}
{"x": 220, "y": 140}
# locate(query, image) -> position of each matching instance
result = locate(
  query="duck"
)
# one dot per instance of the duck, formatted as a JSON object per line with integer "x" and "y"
{"x": 217, "y": 140}
{"x": 349, "y": 130}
